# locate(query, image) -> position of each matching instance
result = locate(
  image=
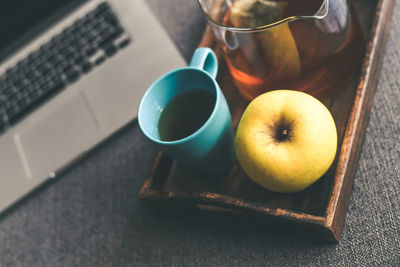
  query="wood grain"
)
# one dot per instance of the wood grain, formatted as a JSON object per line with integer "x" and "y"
{"x": 321, "y": 208}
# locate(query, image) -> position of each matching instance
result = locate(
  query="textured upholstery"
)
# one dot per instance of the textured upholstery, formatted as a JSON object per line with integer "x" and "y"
{"x": 90, "y": 216}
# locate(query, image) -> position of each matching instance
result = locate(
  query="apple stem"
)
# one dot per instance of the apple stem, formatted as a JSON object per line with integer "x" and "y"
{"x": 283, "y": 134}
{"x": 282, "y": 130}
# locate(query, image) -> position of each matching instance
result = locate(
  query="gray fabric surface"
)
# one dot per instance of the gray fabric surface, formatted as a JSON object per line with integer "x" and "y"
{"x": 91, "y": 215}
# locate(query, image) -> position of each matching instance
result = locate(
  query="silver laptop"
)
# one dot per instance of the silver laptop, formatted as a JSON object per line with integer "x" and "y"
{"x": 71, "y": 74}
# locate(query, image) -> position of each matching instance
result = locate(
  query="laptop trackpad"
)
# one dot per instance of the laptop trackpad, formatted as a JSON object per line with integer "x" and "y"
{"x": 59, "y": 136}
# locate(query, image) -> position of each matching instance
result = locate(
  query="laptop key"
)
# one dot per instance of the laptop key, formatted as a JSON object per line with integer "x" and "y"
{"x": 12, "y": 113}
{"x": 32, "y": 75}
{"x": 112, "y": 19}
{"x": 110, "y": 50}
{"x": 111, "y": 36}
{"x": 86, "y": 67}
{"x": 90, "y": 52}
{"x": 99, "y": 60}
{"x": 3, "y": 126}
{"x": 101, "y": 8}
{"x": 124, "y": 42}
{"x": 73, "y": 75}
{"x": 59, "y": 85}
{"x": 20, "y": 83}
{"x": 23, "y": 101}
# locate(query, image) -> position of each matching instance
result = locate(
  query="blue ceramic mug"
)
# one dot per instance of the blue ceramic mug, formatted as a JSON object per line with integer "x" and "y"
{"x": 211, "y": 147}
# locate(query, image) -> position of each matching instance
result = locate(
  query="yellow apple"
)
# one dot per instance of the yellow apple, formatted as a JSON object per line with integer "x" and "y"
{"x": 286, "y": 140}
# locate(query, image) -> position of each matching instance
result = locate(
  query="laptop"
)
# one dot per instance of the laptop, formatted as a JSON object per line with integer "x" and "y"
{"x": 72, "y": 72}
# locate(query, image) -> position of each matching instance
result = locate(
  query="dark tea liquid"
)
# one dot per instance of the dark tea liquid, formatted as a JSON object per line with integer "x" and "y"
{"x": 185, "y": 114}
{"x": 311, "y": 55}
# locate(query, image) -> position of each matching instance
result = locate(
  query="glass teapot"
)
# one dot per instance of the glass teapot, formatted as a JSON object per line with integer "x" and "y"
{"x": 307, "y": 45}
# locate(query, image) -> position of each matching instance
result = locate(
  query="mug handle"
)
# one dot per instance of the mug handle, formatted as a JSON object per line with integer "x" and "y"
{"x": 205, "y": 59}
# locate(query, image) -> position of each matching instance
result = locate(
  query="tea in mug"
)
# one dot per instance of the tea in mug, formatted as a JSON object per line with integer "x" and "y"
{"x": 185, "y": 114}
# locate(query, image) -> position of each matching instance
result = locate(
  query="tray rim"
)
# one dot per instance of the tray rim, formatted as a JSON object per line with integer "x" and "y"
{"x": 349, "y": 152}
{"x": 358, "y": 117}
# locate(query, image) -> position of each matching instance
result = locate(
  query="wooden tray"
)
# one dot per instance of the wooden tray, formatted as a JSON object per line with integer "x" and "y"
{"x": 321, "y": 208}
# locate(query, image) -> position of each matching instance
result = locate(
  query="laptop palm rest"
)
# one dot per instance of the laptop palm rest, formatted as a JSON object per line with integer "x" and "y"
{"x": 52, "y": 141}
{"x": 13, "y": 182}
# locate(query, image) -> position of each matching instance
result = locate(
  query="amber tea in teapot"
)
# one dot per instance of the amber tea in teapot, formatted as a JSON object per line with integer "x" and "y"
{"x": 308, "y": 45}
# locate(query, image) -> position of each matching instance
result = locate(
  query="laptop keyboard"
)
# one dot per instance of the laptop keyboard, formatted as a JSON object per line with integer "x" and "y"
{"x": 63, "y": 60}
